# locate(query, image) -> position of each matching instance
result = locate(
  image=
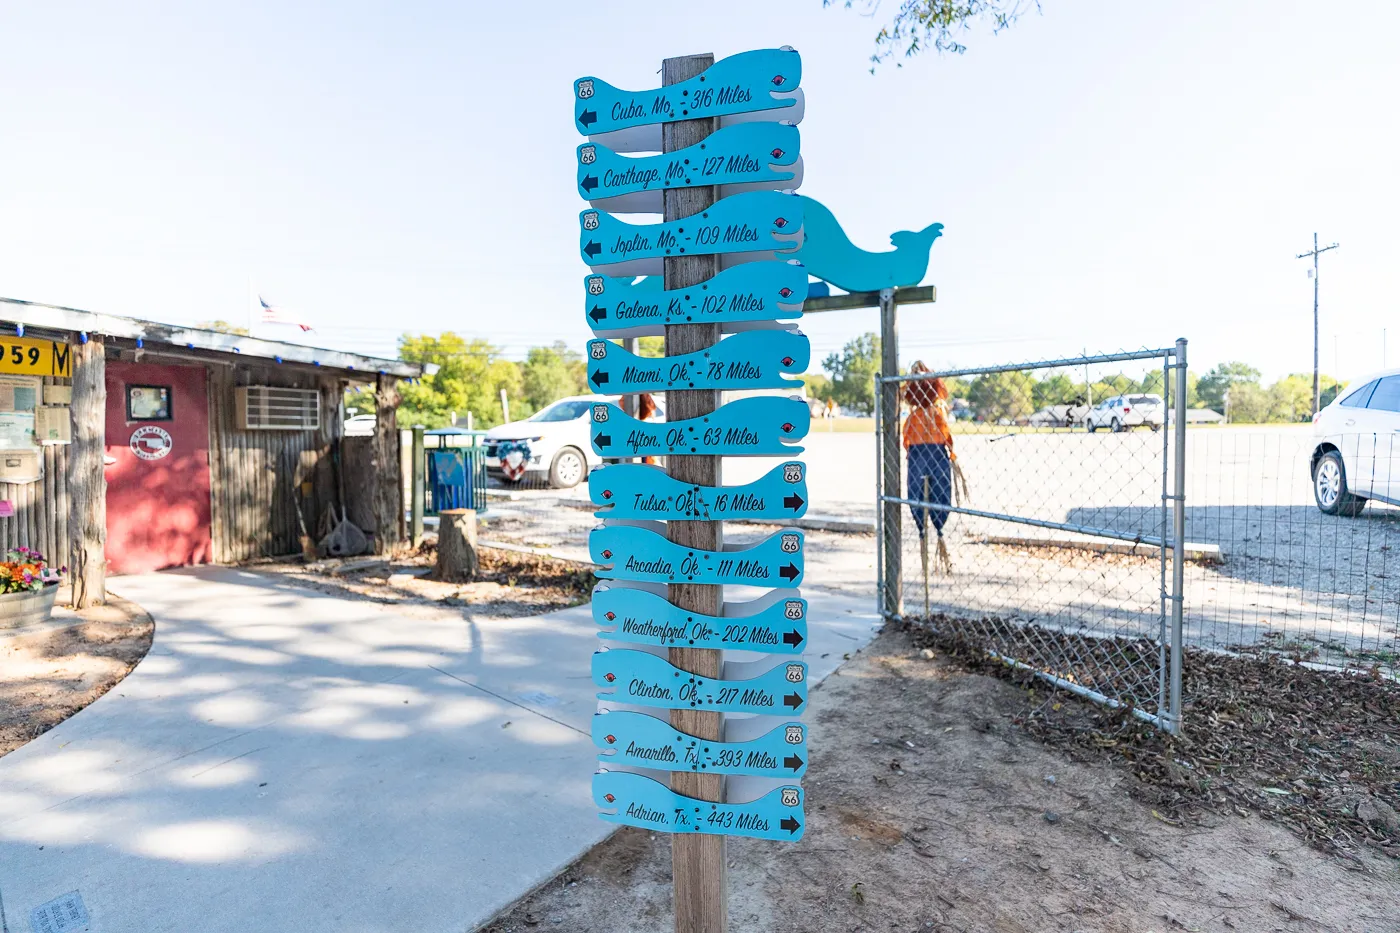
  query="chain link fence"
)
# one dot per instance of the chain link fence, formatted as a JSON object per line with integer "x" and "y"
{"x": 1048, "y": 537}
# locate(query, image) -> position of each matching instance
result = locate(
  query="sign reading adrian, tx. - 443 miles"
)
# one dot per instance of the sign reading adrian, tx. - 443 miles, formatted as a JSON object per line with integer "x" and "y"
{"x": 753, "y": 162}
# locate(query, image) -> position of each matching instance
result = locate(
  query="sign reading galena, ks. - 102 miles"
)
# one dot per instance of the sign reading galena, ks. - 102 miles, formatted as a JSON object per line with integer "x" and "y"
{"x": 744, "y": 295}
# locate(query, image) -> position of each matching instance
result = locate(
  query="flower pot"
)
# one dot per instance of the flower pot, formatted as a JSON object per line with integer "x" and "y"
{"x": 27, "y": 606}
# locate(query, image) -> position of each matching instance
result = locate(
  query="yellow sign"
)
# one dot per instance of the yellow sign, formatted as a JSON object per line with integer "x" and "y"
{"x": 33, "y": 357}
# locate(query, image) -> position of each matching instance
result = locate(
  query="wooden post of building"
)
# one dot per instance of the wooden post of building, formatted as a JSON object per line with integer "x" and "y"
{"x": 387, "y": 481}
{"x": 456, "y": 554}
{"x": 419, "y": 468}
{"x": 87, "y": 478}
{"x": 697, "y": 859}
{"x": 892, "y": 599}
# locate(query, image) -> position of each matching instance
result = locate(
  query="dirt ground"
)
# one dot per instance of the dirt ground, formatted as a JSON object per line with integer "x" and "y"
{"x": 47, "y": 676}
{"x": 511, "y": 583}
{"x": 931, "y": 807}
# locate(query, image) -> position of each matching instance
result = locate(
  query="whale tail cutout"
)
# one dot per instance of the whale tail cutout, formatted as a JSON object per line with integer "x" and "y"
{"x": 830, "y": 255}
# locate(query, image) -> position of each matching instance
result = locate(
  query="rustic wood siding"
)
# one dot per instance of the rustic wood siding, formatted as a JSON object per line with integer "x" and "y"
{"x": 41, "y": 509}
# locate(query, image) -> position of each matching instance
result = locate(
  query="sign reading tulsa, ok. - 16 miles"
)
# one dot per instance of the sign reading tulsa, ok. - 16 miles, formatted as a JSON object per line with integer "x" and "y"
{"x": 754, "y": 227}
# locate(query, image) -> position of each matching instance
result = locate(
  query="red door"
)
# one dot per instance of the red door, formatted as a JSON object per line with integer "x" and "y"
{"x": 157, "y": 467}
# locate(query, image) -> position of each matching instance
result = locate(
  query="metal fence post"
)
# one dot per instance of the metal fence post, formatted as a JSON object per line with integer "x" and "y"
{"x": 420, "y": 465}
{"x": 879, "y": 498}
{"x": 1178, "y": 535}
{"x": 888, "y": 438}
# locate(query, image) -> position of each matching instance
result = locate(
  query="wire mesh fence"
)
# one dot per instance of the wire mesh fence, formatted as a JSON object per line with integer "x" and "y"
{"x": 1031, "y": 511}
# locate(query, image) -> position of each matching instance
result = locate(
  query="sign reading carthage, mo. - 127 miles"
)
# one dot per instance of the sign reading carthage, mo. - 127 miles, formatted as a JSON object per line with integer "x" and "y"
{"x": 632, "y": 552}
{"x": 631, "y": 738}
{"x": 776, "y": 623}
{"x": 747, "y": 427}
{"x": 755, "y": 359}
{"x": 637, "y": 800}
{"x": 639, "y": 490}
{"x": 746, "y": 294}
{"x": 643, "y": 679}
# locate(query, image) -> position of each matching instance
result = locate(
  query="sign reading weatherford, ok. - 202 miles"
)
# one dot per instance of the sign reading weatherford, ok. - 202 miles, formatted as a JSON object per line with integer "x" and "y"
{"x": 631, "y": 738}
{"x": 758, "y": 426}
{"x": 753, "y": 292}
{"x": 744, "y": 157}
{"x": 643, "y": 679}
{"x": 631, "y": 552}
{"x": 777, "y": 623}
{"x": 637, "y": 800}
{"x": 639, "y": 490}
{"x": 755, "y": 359}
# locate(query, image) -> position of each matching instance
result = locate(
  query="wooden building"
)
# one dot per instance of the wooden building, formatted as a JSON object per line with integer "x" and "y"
{"x": 182, "y": 446}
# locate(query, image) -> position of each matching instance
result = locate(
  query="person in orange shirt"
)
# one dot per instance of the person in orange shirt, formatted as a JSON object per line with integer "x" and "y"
{"x": 928, "y": 445}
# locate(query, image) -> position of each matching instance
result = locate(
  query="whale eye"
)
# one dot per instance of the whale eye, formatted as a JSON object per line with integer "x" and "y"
{"x": 778, "y": 80}
{"x": 785, "y": 292}
{"x": 609, "y": 798}
{"x": 787, "y": 361}
{"x": 787, "y": 428}
{"x": 780, "y": 223}
{"x": 607, "y": 555}
{"x": 610, "y": 677}
{"x": 611, "y": 739}
{"x": 607, "y": 493}
{"x": 777, "y": 153}
{"x": 611, "y": 615}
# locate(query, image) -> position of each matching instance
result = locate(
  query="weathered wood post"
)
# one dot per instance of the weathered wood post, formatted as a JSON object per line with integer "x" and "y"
{"x": 387, "y": 500}
{"x": 457, "y": 560}
{"x": 87, "y": 479}
{"x": 697, "y": 860}
{"x": 419, "y": 468}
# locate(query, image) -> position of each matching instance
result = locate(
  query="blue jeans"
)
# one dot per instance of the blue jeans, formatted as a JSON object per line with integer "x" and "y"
{"x": 932, "y": 461}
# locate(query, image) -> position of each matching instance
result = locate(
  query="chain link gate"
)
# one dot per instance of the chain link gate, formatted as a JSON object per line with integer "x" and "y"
{"x": 1063, "y": 553}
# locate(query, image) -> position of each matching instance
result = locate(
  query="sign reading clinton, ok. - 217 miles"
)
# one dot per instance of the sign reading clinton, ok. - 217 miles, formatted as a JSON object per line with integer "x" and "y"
{"x": 643, "y": 679}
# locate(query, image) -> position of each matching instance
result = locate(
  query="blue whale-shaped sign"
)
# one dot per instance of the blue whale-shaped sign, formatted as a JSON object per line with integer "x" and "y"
{"x": 634, "y": 552}
{"x": 755, "y": 359}
{"x": 758, "y": 426}
{"x": 763, "y": 79}
{"x": 751, "y": 222}
{"x": 743, "y": 157}
{"x": 640, "y": 490}
{"x": 829, "y": 254}
{"x": 777, "y": 623}
{"x": 752, "y": 292}
{"x": 630, "y": 738}
{"x": 637, "y": 800}
{"x": 644, "y": 679}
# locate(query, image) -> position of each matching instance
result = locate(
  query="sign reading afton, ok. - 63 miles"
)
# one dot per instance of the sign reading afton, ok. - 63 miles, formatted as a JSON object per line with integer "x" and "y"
{"x": 758, "y": 426}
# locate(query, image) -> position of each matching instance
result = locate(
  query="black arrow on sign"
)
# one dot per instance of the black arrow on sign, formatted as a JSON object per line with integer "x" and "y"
{"x": 793, "y": 638}
{"x": 603, "y": 440}
{"x": 597, "y": 313}
{"x": 592, "y": 249}
{"x": 588, "y": 117}
{"x": 792, "y": 502}
{"x": 589, "y": 183}
{"x": 789, "y": 572}
{"x": 790, "y": 824}
{"x": 793, "y": 700}
{"x": 600, "y": 378}
{"x": 792, "y": 762}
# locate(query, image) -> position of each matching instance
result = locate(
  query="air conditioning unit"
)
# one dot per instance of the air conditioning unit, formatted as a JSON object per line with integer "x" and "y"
{"x": 274, "y": 408}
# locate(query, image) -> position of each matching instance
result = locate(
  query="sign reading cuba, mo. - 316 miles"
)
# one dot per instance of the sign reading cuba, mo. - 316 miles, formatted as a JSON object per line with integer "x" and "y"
{"x": 756, "y": 359}
{"x": 759, "y": 426}
{"x": 776, "y": 623}
{"x": 641, "y": 740}
{"x": 746, "y": 294}
{"x": 637, "y": 800}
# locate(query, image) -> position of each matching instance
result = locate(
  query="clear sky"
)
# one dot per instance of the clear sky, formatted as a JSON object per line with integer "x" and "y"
{"x": 1109, "y": 174}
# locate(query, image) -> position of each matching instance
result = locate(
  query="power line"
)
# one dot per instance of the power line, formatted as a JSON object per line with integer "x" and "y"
{"x": 1314, "y": 253}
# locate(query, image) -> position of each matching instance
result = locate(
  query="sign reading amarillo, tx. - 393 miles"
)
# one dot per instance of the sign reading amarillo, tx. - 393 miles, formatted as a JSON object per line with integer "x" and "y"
{"x": 631, "y": 738}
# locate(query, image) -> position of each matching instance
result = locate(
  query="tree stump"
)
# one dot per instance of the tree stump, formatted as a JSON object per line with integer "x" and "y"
{"x": 456, "y": 550}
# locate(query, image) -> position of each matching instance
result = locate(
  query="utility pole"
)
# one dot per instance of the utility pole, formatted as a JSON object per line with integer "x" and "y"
{"x": 1314, "y": 253}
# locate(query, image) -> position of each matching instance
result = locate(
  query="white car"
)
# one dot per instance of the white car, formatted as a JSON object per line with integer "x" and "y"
{"x": 558, "y": 440}
{"x": 1127, "y": 411}
{"x": 1357, "y": 454}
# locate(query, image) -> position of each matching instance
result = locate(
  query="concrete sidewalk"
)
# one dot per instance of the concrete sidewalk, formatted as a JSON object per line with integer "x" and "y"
{"x": 288, "y": 760}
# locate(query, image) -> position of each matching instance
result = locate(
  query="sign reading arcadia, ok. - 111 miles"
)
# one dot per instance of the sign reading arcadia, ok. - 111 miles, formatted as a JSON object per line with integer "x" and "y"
{"x": 755, "y": 359}
{"x": 631, "y": 552}
{"x": 746, "y": 294}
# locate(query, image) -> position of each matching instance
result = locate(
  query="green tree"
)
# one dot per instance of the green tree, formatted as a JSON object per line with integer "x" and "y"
{"x": 1222, "y": 379}
{"x": 652, "y": 347}
{"x": 853, "y": 372}
{"x": 818, "y": 386}
{"x": 551, "y": 373}
{"x": 1057, "y": 389}
{"x": 1249, "y": 403}
{"x": 918, "y": 24}
{"x": 995, "y": 396}
{"x": 470, "y": 377}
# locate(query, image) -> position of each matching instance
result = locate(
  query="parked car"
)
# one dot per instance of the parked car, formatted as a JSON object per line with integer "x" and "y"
{"x": 1059, "y": 416}
{"x": 557, "y": 438}
{"x": 1123, "y": 412}
{"x": 1357, "y": 452}
{"x": 360, "y": 426}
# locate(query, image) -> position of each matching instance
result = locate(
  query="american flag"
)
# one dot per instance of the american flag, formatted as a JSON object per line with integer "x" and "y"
{"x": 275, "y": 315}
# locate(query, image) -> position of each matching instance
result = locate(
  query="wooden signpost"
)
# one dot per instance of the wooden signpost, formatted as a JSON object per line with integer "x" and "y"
{"x": 731, "y": 256}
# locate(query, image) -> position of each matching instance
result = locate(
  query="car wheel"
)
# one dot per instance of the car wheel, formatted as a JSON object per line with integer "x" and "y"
{"x": 1330, "y": 487}
{"x": 1115, "y": 426}
{"x": 1154, "y": 426}
{"x": 567, "y": 469}
{"x": 1090, "y": 426}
